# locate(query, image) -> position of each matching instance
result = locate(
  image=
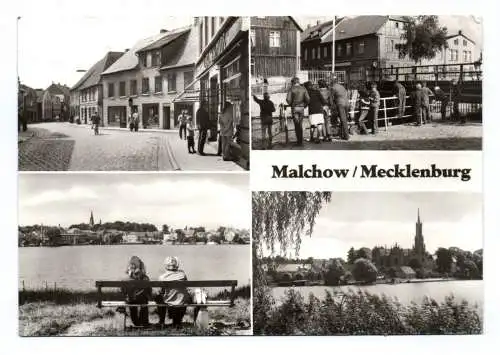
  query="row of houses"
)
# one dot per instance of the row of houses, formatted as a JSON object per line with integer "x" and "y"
{"x": 38, "y": 105}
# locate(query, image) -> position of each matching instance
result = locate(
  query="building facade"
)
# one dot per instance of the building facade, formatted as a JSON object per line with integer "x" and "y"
{"x": 136, "y": 83}
{"x": 275, "y": 46}
{"x": 316, "y": 47}
{"x": 222, "y": 70}
{"x": 55, "y": 102}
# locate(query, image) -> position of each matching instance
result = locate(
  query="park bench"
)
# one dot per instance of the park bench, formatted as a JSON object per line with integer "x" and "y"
{"x": 201, "y": 317}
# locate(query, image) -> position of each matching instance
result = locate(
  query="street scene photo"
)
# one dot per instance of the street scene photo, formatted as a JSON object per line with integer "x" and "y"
{"x": 406, "y": 263}
{"x": 408, "y": 83}
{"x": 291, "y": 69}
{"x": 168, "y": 93}
{"x": 134, "y": 255}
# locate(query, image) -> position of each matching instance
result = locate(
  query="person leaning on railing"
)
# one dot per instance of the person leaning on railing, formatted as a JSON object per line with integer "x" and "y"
{"x": 400, "y": 93}
{"x": 266, "y": 118}
{"x": 441, "y": 96}
{"x": 374, "y": 106}
{"x": 339, "y": 96}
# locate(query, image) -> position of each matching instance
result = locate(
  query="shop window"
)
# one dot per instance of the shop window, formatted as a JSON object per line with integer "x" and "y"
{"x": 339, "y": 49}
{"x": 122, "y": 88}
{"x": 252, "y": 38}
{"x": 305, "y": 53}
{"x": 145, "y": 85}
{"x": 361, "y": 48}
{"x": 158, "y": 84}
{"x": 133, "y": 87}
{"x": 188, "y": 78}
{"x": 231, "y": 69}
{"x": 111, "y": 90}
{"x": 274, "y": 39}
{"x": 313, "y": 53}
{"x": 172, "y": 82}
{"x": 348, "y": 49}
{"x": 325, "y": 52}
{"x": 319, "y": 53}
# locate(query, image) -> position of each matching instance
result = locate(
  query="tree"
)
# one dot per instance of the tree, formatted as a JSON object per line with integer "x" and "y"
{"x": 53, "y": 234}
{"x": 351, "y": 256}
{"x": 334, "y": 273}
{"x": 364, "y": 271}
{"x": 443, "y": 260}
{"x": 469, "y": 270}
{"x": 423, "y": 38}
{"x": 165, "y": 229}
{"x": 415, "y": 264}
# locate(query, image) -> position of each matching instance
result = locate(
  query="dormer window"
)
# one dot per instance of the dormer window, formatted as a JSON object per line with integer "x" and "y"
{"x": 156, "y": 58}
{"x": 144, "y": 59}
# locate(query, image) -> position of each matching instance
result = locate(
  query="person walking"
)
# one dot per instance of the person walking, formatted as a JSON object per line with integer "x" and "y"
{"x": 135, "y": 120}
{"x": 203, "y": 120}
{"x": 400, "y": 93}
{"x": 96, "y": 120}
{"x": 266, "y": 119}
{"x": 226, "y": 130}
{"x": 441, "y": 96}
{"x": 374, "y": 106}
{"x": 182, "y": 119}
{"x": 327, "y": 108}
{"x": 298, "y": 98}
{"x": 418, "y": 103}
{"x": 190, "y": 136}
{"x": 316, "y": 104}
{"x": 340, "y": 98}
{"x": 426, "y": 110}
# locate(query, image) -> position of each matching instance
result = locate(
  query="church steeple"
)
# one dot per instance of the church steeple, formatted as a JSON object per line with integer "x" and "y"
{"x": 91, "y": 222}
{"x": 419, "y": 246}
{"x": 418, "y": 216}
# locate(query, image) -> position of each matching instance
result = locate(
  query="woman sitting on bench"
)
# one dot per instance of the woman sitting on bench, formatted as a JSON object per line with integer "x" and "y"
{"x": 175, "y": 297}
{"x": 137, "y": 271}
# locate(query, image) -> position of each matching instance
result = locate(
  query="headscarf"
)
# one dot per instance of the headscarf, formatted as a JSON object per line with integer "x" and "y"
{"x": 139, "y": 267}
{"x": 171, "y": 263}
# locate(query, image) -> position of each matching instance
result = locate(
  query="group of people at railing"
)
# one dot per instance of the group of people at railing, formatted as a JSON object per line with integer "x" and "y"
{"x": 334, "y": 110}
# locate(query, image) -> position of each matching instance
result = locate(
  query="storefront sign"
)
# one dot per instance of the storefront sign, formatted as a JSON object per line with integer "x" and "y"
{"x": 217, "y": 48}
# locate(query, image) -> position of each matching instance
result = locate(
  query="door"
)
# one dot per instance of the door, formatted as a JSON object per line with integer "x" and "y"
{"x": 213, "y": 102}
{"x": 166, "y": 117}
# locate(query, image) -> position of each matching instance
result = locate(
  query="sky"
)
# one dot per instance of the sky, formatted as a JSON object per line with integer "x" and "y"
{"x": 209, "y": 200}
{"x": 368, "y": 219}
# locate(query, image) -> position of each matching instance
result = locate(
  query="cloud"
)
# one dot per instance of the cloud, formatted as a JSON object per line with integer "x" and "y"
{"x": 51, "y": 196}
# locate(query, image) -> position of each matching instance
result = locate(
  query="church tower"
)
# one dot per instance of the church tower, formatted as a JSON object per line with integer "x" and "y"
{"x": 419, "y": 246}
{"x": 91, "y": 222}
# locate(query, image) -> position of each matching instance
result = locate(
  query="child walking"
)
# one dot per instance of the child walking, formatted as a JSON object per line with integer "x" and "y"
{"x": 190, "y": 136}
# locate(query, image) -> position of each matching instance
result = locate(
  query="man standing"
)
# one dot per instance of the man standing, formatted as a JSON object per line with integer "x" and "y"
{"x": 427, "y": 108}
{"x": 455, "y": 95}
{"x": 443, "y": 98}
{"x": 418, "y": 102}
{"x": 400, "y": 92}
{"x": 135, "y": 120}
{"x": 96, "y": 120}
{"x": 327, "y": 108}
{"x": 374, "y": 105}
{"x": 226, "y": 130}
{"x": 340, "y": 98}
{"x": 298, "y": 99}
{"x": 266, "y": 119}
{"x": 203, "y": 120}
{"x": 182, "y": 119}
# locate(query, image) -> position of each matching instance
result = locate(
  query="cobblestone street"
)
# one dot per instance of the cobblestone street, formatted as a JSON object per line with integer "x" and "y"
{"x": 64, "y": 146}
{"x": 435, "y": 136}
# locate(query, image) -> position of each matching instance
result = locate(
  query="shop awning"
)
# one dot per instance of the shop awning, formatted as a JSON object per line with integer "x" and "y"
{"x": 189, "y": 94}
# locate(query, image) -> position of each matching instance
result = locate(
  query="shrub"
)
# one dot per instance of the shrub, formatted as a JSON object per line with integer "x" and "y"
{"x": 364, "y": 270}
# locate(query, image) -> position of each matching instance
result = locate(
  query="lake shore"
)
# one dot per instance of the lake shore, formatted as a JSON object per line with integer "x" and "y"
{"x": 74, "y": 313}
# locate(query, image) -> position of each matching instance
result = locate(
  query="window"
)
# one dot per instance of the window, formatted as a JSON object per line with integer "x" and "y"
{"x": 325, "y": 52}
{"x": 465, "y": 43}
{"x": 392, "y": 45}
{"x": 144, "y": 59}
{"x": 319, "y": 53}
{"x": 339, "y": 49}
{"x": 455, "y": 42}
{"x": 274, "y": 39}
{"x": 145, "y": 85}
{"x": 466, "y": 56}
{"x": 111, "y": 90}
{"x": 305, "y": 53}
{"x": 156, "y": 58}
{"x": 361, "y": 47}
{"x": 348, "y": 48}
{"x": 212, "y": 27}
{"x": 188, "y": 78}
{"x": 313, "y": 53}
{"x": 172, "y": 82}
{"x": 158, "y": 84}
{"x": 200, "y": 35}
{"x": 252, "y": 38}
{"x": 122, "y": 88}
{"x": 252, "y": 66}
{"x": 133, "y": 87}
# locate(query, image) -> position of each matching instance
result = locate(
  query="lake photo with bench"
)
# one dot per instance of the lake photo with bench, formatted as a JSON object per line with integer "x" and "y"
{"x": 134, "y": 255}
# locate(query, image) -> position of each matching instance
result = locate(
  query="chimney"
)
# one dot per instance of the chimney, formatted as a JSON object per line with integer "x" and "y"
{"x": 460, "y": 32}
{"x": 163, "y": 30}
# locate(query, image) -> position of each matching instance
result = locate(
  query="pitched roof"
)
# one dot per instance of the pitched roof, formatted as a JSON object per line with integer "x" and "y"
{"x": 407, "y": 270}
{"x": 129, "y": 60}
{"x": 460, "y": 33}
{"x": 358, "y": 26}
{"x": 93, "y": 75}
{"x": 170, "y": 37}
{"x": 317, "y": 31}
{"x": 58, "y": 89}
{"x": 296, "y": 23}
{"x": 188, "y": 55}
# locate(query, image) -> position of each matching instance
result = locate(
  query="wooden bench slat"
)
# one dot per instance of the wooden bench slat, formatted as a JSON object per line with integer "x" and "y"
{"x": 141, "y": 283}
{"x": 154, "y": 304}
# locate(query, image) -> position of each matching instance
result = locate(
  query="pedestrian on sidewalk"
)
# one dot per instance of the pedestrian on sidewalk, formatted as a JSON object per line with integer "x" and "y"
{"x": 182, "y": 119}
{"x": 226, "y": 130}
{"x": 266, "y": 119}
{"x": 95, "y": 119}
{"x": 190, "y": 136}
{"x": 374, "y": 105}
{"x": 203, "y": 119}
{"x": 135, "y": 120}
{"x": 298, "y": 99}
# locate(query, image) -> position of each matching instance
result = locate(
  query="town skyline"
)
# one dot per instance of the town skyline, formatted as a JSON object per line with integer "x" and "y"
{"x": 147, "y": 198}
{"x": 370, "y": 219}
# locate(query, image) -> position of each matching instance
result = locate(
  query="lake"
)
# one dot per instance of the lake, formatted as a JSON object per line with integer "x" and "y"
{"x": 471, "y": 290}
{"x": 78, "y": 267}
